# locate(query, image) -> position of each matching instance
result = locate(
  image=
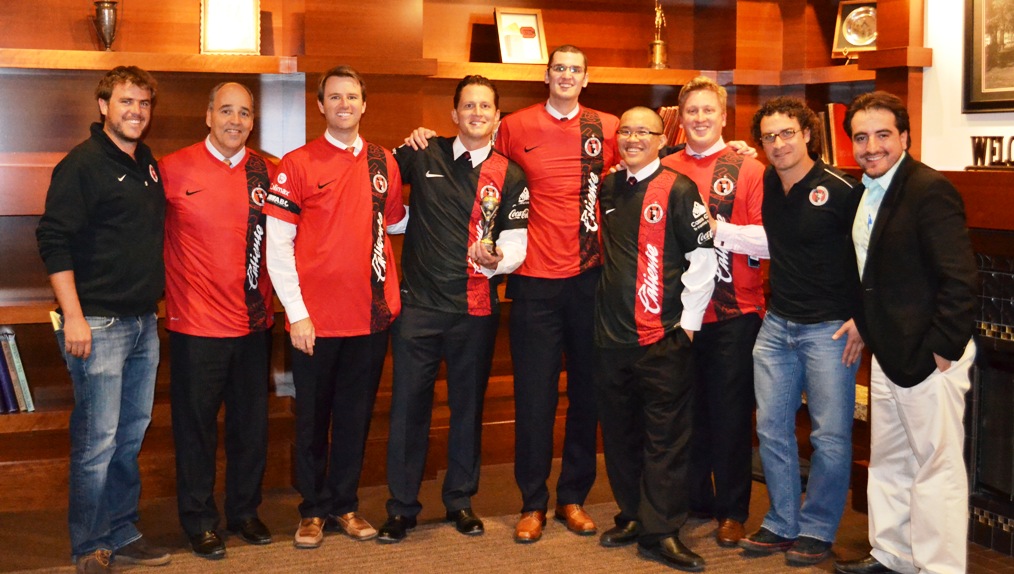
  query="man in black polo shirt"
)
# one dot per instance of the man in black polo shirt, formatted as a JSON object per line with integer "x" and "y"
{"x": 808, "y": 342}
{"x": 450, "y": 310}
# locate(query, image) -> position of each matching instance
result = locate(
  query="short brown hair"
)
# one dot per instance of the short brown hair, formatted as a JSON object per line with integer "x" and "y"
{"x": 125, "y": 75}
{"x": 880, "y": 100}
{"x": 569, "y": 49}
{"x": 793, "y": 108}
{"x": 703, "y": 83}
{"x": 342, "y": 71}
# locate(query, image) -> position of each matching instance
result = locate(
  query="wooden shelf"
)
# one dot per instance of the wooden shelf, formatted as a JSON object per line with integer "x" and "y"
{"x": 150, "y": 61}
{"x": 805, "y": 76}
{"x": 537, "y": 73}
{"x": 369, "y": 66}
{"x": 906, "y": 57}
{"x": 26, "y": 312}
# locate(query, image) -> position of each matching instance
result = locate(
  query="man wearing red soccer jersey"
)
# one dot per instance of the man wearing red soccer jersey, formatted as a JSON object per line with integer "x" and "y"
{"x": 656, "y": 283}
{"x": 329, "y": 211}
{"x": 732, "y": 186}
{"x": 219, "y": 316}
{"x": 564, "y": 149}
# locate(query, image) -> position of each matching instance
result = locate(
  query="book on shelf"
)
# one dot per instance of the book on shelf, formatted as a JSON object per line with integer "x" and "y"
{"x": 8, "y": 404}
{"x": 825, "y": 145}
{"x": 19, "y": 395}
{"x": 841, "y": 145}
{"x": 7, "y": 335}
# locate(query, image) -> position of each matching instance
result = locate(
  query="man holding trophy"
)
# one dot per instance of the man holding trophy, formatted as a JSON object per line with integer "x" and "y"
{"x": 468, "y": 226}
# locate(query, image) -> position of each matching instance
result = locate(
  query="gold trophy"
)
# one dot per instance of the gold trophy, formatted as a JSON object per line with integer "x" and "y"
{"x": 659, "y": 51}
{"x": 489, "y": 205}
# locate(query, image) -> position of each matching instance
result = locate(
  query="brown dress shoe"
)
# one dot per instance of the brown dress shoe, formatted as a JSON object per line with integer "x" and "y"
{"x": 310, "y": 533}
{"x": 729, "y": 533}
{"x": 576, "y": 518}
{"x": 529, "y": 528}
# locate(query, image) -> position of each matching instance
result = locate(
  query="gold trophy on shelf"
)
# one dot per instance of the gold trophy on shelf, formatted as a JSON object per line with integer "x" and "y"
{"x": 489, "y": 205}
{"x": 659, "y": 51}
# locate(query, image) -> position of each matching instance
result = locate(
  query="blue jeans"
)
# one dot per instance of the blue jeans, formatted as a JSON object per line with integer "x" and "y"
{"x": 113, "y": 392}
{"x": 790, "y": 359}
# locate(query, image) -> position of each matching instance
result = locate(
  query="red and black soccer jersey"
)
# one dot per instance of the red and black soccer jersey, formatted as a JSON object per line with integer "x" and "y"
{"x": 564, "y": 161}
{"x": 341, "y": 208}
{"x": 217, "y": 283}
{"x": 648, "y": 229}
{"x": 436, "y": 271}
{"x": 813, "y": 274}
{"x": 733, "y": 187}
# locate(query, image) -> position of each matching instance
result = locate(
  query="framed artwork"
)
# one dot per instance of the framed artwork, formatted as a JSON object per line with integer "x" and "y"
{"x": 855, "y": 29}
{"x": 989, "y": 57}
{"x": 231, "y": 27}
{"x": 522, "y": 37}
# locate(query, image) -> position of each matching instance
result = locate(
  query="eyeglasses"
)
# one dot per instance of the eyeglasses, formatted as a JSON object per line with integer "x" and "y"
{"x": 560, "y": 68}
{"x": 786, "y": 135}
{"x": 641, "y": 134}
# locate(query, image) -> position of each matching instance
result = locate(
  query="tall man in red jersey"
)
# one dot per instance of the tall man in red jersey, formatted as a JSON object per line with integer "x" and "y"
{"x": 656, "y": 283}
{"x": 219, "y": 315}
{"x": 333, "y": 268}
{"x": 564, "y": 149}
{"x": 732, "y": 187}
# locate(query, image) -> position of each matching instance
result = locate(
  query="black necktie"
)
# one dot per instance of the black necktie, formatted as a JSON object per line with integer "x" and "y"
{"x": 466, "y": 159}
{"x": 632, "y": 180}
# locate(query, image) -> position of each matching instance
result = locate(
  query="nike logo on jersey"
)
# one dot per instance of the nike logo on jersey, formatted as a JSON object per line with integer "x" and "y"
{"x": 428, "y": 174}
{"x": 608, "y": 211}
{"x": 323, "y": 185}
{"x": 121, "y": 177}
{"x": 188, "y": 192}
{"x": 528, "y": 149}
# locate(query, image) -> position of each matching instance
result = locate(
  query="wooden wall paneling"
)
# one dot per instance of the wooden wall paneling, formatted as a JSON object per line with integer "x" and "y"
{"x": 759, "y": 34}
{"x": 906, "y": 83}
{"x": 390, "y": 29}
{"x": 679, "y": 16}
{"x": 66, "y": 23}
{"x": 818, "y": 34}
{"x": 24, "y": 278}
{"x": 715, "y": 32}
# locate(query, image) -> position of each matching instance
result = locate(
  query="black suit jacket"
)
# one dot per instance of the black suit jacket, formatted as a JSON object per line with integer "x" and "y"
{"x": 919, "y": 283}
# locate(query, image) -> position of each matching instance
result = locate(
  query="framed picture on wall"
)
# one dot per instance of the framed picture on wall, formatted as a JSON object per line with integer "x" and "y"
{"x": 855, "y": 29}
{"x": 231, "y": 27}
{"x": 522, "y": 38}
{"x": 989, "y": 57}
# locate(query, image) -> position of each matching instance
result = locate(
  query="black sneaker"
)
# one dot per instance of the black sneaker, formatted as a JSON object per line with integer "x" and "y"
{"x": 143, "y": 553}
{"x": 765, "y": 542}
{"x": 807, "y": 551}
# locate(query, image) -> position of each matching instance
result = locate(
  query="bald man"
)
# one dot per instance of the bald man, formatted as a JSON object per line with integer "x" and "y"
{"x": 656, "y": 282}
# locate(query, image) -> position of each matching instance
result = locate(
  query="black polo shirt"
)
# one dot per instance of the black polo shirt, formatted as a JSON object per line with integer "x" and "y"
{"x": 813, "y": 275}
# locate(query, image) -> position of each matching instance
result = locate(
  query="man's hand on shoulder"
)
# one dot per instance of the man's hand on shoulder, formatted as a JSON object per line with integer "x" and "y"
{"x": 743, "y": 148}
{"x": 419, "y": 138}
{"x": 303, "y": 335}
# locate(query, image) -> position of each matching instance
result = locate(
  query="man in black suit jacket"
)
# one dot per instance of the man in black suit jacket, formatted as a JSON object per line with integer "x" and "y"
{"x": 918, "y": 279}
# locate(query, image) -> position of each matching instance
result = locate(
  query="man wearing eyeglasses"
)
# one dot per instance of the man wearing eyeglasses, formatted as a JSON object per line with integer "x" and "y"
{"x": 731, "y": 186}
{"x": 808, "y": 342}
{"x": 656, "y": 283}
{"x": 565, "y": 150}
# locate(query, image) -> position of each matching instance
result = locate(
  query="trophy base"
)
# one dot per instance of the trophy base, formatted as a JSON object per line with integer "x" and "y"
{"x": 659, "y": 55}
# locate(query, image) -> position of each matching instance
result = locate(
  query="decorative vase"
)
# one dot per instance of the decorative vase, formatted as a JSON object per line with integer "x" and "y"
{"x": 105, "y": 22}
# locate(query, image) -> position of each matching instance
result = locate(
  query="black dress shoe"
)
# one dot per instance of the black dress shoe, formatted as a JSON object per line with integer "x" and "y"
{"x": 671, "y": 552}
{"x": 395, "y": 529}
{"x": 466, "y": 522}
{"x": 208, "y": 545}
{"x": 624, "y": 533}
{"x": 865, "y": 565}
{"x": 252, "y": 530}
